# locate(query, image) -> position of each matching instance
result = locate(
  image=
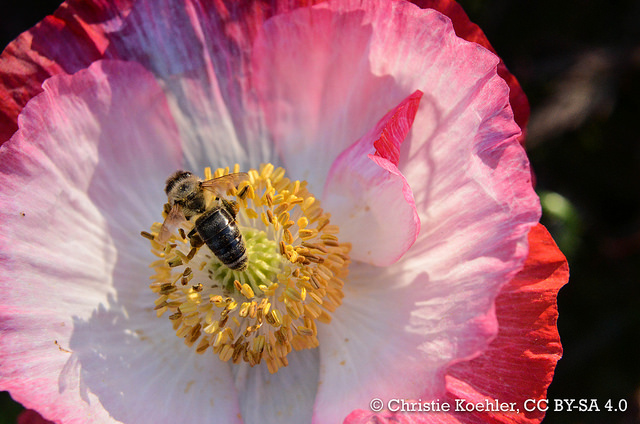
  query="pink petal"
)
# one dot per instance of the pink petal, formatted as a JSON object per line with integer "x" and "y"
{"x": 471, "y": 32}
{"x": 476, "y": 206}
{"x": 201, "y": 52}
{"x": 313, "y": 94}
{"x": 471, "y": 183}
{"x": 519, "y": 364}
{"x": 317, "y": 98}
{"x": 368, "y": 196}
{"x": 64, "y": 43}
{"x": 79, "y": 181}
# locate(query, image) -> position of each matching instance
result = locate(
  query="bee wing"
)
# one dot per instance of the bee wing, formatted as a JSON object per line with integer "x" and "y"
{"x": 219, "y": 186}
{"x": 170, "y": 224}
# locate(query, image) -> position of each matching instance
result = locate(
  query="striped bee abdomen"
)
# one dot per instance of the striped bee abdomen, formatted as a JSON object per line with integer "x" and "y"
{"x": 219, "y": 230}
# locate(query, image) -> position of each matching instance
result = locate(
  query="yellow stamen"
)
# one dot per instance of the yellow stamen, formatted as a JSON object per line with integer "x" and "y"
{"x": 296, "y": 272}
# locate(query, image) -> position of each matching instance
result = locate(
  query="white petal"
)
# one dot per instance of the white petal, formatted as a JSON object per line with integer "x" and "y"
{"x": 80, "y": 179}
{"x": 287, "y": 396}
{"x": 371, "y": 349}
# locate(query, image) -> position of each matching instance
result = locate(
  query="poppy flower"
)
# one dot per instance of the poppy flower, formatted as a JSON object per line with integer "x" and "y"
{"x": 382, "y": 193}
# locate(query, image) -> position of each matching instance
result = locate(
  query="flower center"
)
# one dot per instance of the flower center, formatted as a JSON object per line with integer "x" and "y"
{"x": 294, "y": 274}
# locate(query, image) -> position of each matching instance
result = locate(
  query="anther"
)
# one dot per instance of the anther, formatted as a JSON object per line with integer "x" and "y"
{"x": 293, "y": 277}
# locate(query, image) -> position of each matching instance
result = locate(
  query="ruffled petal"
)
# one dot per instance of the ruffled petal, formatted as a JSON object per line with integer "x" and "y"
{"x": 66, "y": 42}
{"x": 471, "y": 32}
{"x": 519, "y": 364}
{"x": 471, "y": 183}
{"x": 472, "y": 186}
{"x": 327, "y": 97}
{"x": 80, "y": 339}
{"x": 365, "y": 190}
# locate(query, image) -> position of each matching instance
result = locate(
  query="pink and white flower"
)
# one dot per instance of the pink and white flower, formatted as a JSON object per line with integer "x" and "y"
{"x": 404, "y": 130}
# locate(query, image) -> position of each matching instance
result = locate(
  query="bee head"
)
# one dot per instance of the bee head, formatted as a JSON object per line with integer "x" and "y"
{"x": 176, "y": 178}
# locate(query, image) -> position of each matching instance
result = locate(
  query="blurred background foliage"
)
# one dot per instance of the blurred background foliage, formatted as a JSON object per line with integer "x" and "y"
{"x": 579, "y": 63}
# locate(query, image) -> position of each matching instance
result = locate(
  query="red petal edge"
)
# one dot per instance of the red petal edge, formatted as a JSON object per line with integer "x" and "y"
{"x": 396, "y": 128}
{"x": 29, "y": 416}
{"x": 374, "y": 179}
{"x": 65, "y": 42}
{"x": 520, "y": 362}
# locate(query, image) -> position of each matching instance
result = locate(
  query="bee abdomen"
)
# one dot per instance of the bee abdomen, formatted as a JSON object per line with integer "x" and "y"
{"x": 219, "y": 230}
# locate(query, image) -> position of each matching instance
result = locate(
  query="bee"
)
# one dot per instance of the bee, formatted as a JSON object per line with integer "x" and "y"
{"x": 215, "y": 220}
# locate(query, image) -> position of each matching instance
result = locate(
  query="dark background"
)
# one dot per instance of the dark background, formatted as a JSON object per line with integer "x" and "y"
{"x": 579, "y": 63}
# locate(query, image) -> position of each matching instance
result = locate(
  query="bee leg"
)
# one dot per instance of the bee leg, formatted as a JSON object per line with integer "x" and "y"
{"x": 231, "y": 206}
{"x": 195, "y": 239}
